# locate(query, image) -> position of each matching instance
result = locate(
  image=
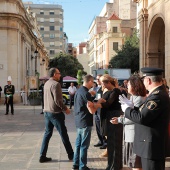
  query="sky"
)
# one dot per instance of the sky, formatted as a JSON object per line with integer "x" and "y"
{"x": 78, "y": 16}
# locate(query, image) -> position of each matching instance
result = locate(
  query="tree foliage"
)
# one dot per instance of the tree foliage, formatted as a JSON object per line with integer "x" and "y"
{"x": 128, "y": 56}
{"x": 67, "y": 64}
{"x": 79, "y": 77}
{"x": 106, "y": 72}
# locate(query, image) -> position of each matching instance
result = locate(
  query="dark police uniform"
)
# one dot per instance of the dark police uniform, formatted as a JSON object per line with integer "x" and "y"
{"x": 151, "y": 125}
{"x": 9, "y": 91}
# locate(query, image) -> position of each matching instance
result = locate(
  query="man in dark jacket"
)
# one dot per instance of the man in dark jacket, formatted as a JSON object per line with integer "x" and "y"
{"x": 84, "y": 123}
{"x": 151, "y": 121}
{"x": 41, "y": 88}
{"x": 0, "y": 91}
{"x": 102, "y": 140}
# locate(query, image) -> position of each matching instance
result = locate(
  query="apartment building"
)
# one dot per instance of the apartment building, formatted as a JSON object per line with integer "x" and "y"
{"x": 71, "y": 50}
{"x": 107, "y": 32}
{"x": 82, "y": 55}
{"x": 50, "y": 23}
{"x": 98, "y": 26}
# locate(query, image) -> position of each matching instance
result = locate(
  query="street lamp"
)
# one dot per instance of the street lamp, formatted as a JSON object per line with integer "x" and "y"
{"x": 43, "y": 61}
{"x": 35, "y": 53}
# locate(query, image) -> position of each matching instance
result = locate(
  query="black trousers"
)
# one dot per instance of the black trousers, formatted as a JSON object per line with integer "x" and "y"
{"x": 114, "y": 142}
{"x": 98, "y": 129}
{"x": 9, "y": 102}
{"x": 71, "y": 100}
{"x": 42, "y": 103}
{"x": 148, "y": 164}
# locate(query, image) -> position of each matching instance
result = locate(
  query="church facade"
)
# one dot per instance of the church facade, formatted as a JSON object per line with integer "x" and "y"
{"x": 154, "y": 23}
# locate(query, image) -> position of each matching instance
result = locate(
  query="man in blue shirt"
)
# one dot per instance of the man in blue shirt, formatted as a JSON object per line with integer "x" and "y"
{"x": 84, "y": 123}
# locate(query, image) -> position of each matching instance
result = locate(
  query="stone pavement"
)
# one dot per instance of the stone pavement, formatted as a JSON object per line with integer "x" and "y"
{"x": 20, "y": 141}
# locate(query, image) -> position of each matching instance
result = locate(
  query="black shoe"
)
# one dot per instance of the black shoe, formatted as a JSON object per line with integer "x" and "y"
{"x": 42, "y": 113}
{"x": 86, "y": 168}
{"x": 75, "y": 167}
{"x": 103, "y": 147}
{"x": 70, "y": 156}
{"x": 12, "y": 113}
{"x": 98, "y": 144}
{"x": 44, "y": 159}
{"x": 6, "y": 113}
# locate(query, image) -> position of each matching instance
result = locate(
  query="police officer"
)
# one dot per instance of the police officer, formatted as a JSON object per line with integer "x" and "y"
{"x": 151, "y": 121}
{"x": 9, "y": 91}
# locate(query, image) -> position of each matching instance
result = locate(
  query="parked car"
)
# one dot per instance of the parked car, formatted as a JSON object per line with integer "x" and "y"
{"x": 66, "y": 81}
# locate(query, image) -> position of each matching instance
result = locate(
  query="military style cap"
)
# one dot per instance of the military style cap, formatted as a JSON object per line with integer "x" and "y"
{"x": 9, "y": 78}
{"x": 150, "y": 71}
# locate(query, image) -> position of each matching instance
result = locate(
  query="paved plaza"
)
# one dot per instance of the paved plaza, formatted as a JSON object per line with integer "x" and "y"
{"x": 21, "y": 136}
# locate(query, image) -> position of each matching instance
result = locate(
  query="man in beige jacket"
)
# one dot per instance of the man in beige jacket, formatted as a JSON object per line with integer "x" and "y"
{"x": 54, "y": 116}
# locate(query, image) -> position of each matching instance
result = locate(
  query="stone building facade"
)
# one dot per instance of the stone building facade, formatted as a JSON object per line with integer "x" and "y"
{"x": 153, "y": 18}
{"x": 22, "y": 52}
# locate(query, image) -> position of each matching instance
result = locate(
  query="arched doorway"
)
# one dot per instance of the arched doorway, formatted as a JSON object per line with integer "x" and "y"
{"x": 156, "y": 43}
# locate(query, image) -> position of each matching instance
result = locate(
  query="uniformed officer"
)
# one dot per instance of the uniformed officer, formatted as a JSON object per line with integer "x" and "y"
{"x": 9, "y": 91}
{"x": 151, "y": 121}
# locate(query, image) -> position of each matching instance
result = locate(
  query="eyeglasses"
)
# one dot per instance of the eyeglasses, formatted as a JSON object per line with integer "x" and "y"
{"x": 57, "y": 73}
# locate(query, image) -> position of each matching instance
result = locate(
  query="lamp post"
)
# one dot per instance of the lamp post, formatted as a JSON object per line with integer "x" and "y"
{"x": 35, "y": 53}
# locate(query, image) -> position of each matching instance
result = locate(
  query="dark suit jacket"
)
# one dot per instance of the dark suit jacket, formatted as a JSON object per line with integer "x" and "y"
{"x": 151, "y": 125}
{"x": 99, "y": 91}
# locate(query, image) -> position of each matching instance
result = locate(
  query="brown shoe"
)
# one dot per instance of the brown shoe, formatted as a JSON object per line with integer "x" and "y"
{"x": 104, "y": 154}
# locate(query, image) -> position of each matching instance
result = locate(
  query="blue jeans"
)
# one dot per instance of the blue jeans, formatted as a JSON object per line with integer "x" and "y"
{"x": 57, "y": 120}
{"x": 81, "y": 147}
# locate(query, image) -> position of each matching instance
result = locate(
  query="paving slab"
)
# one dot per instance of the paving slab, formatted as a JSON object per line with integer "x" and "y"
{"x": 21, "y": 137}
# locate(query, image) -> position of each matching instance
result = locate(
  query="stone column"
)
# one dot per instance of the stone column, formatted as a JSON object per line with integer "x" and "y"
{"x": 143, "y": 21}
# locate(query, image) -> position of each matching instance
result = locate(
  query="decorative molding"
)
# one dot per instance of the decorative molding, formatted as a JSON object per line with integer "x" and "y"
{"x": 137, "y": 1}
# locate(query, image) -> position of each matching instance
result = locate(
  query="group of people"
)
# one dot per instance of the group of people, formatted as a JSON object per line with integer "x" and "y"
{"x": 145, "y": 118}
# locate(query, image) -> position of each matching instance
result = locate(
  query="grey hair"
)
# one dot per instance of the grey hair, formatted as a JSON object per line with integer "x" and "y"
{"x": 52, "y": 71}
{"x": 156, "y": 78}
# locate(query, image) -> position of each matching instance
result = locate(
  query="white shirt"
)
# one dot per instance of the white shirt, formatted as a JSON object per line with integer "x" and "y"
{"x": 72, "y": 90}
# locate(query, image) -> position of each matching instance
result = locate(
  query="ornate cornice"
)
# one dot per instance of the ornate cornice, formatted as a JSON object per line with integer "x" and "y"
{"x": 24, "y": 22}
{"x": 143, "y": 15}
{"x": 137, "y": 1}
{"x": 19, "y": 18}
